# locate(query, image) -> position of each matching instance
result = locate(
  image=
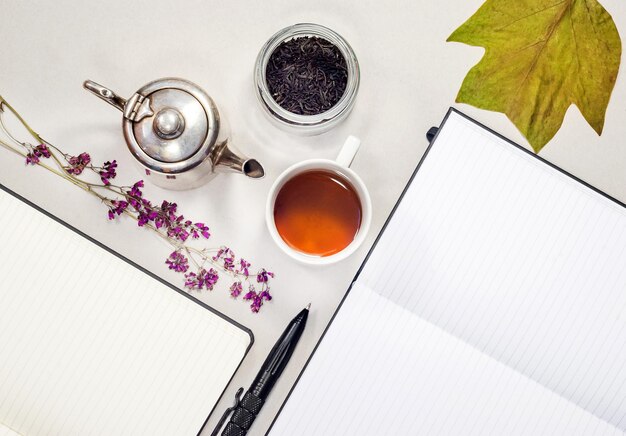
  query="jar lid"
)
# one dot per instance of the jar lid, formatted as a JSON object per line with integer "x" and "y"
{"x": 169, "y": 121}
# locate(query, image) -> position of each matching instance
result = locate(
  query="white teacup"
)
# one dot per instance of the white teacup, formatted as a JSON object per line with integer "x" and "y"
{"x": 341, "y": 165}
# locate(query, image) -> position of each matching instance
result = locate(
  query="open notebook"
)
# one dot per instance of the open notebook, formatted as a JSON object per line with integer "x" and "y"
{"x": 91, "y": 344}
{"x": 493, "y": 302}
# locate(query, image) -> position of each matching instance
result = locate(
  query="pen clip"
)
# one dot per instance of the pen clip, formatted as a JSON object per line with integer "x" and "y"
{"x": 227, "y": 412}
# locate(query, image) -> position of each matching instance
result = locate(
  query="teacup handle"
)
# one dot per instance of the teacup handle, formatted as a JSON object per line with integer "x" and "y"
{"x": 348, "y": 151}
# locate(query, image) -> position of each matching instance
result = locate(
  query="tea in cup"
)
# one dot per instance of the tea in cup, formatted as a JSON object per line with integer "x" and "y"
{"x": 319, "y": 210}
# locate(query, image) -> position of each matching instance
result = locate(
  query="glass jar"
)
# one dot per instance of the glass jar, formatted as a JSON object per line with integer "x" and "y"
{"x": 307, "y": 125}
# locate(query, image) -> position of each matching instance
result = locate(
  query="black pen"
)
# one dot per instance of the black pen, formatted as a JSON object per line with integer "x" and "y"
{"x": 246, "y": 410}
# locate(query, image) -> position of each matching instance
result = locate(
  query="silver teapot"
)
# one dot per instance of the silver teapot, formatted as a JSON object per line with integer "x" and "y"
{"x": 173, "y": 129}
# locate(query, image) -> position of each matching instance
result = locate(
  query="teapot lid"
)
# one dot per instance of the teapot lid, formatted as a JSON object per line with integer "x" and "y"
{"x": 170, "y": 124}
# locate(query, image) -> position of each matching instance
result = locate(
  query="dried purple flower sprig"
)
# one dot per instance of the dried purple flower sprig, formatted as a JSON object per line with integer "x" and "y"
{"x": 201, "y": 267}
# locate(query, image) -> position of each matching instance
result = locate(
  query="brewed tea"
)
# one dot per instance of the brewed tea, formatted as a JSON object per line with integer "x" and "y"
{"x": 317, "y": 212}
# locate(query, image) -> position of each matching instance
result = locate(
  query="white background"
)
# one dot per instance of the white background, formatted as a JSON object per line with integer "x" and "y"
{"x": 410, "y": 76}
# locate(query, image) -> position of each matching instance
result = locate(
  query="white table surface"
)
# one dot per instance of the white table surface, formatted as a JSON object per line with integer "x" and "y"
{"x": 410, "y": 77}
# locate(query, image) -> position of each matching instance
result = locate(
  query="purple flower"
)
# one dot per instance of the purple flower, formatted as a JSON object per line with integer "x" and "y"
{"x": 209, "y": 277}
{"x": 265, "y": 295}
{"x": 142, "y": 219}
{"x": 236, "y": 289}
{"x": 219, "y": 253}
{"x": 108, "y": 172}
{"x": 204, "y": 230}
{"x": 229, "y": 260}
{"x": 183, "y": 235}
{"x": 169, "y": 210}
{"x": 257, "y": 302}
{"x": 227, "y": 256}
{"x": 32, "y": 158}
{"x": 43, "y": 150}
{"x": 120, "y": 206}
{"x": 263, "y": 276}
{"x": 36, "y": 153}
{"x": 243, "y": 267}
{"x": 177, "y": 262}
{"x": 257, "y": 298}
{"x": 191, "y": 281}
{"x": 198, "y": 229}
{"x": 252, "y": 296}
{"x": 135, "y": 190}
{"x": 204, "y": 279}
{"x": 84, "y": 158}
{"x": 78, "y": 163}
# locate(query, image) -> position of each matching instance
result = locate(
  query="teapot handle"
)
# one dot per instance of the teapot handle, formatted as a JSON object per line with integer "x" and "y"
{"x": 105, "y": 94}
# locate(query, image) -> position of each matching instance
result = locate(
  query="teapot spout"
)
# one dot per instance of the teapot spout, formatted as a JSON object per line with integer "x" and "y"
{"x": 229, "y": 159}
{"x": 253, "y": 169}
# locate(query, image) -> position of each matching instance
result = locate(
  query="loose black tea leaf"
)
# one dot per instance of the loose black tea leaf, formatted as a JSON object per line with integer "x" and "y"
{"x": 307, "y": 75}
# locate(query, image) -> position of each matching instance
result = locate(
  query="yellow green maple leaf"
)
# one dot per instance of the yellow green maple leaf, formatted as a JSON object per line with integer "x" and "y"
{"x": 540, "y": 58}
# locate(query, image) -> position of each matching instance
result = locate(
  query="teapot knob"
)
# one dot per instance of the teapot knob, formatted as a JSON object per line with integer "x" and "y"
{"x": 169, "y": 124}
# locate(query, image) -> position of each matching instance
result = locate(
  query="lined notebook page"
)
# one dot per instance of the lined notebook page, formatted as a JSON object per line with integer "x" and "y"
{"x": 381, "y": 370}
{"x": 92, "y": 345}
{"x": 512, "y": 258}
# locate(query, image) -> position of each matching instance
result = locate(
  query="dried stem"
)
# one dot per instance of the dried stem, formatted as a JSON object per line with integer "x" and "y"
{"x": 162, "y": 220}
